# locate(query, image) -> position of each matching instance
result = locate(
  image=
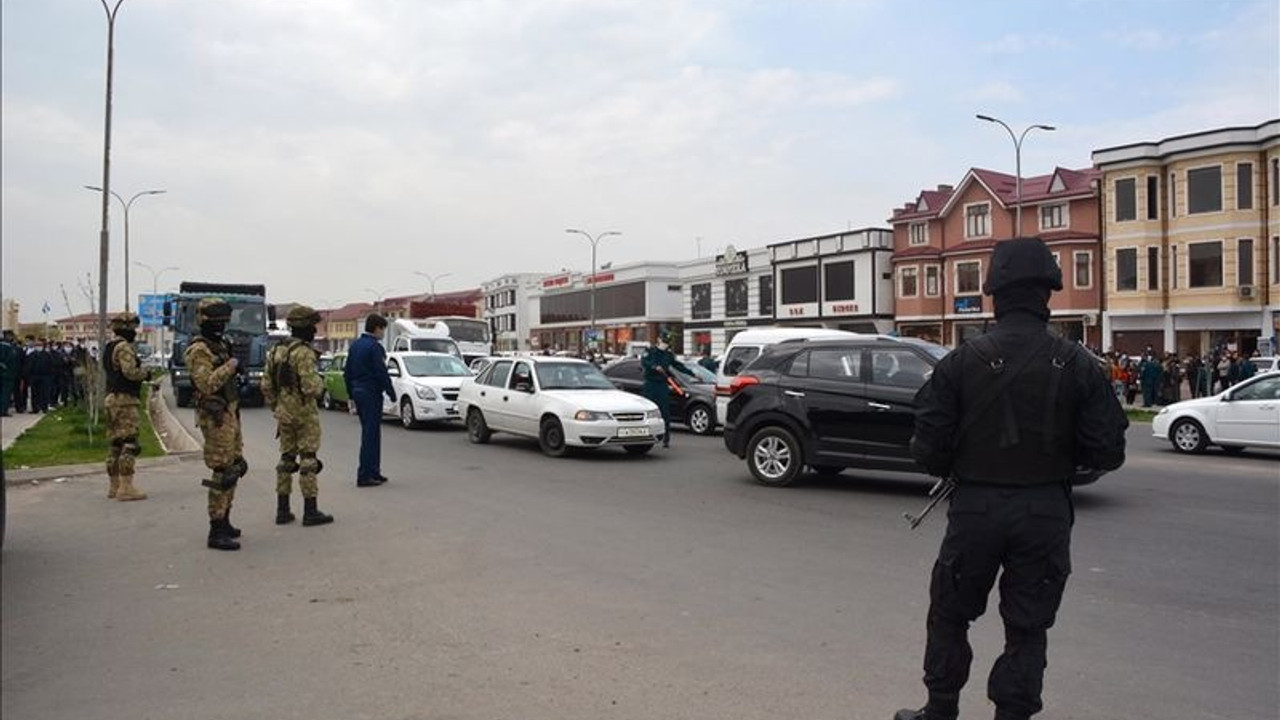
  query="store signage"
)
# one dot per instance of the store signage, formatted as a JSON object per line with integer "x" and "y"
{"x": 839, "y": 308}
{"x": 732, "y": 262}
{"x": 735, "y": 323}
{"x": 557, "y": 281}
{"x": 601, "y": 278}
{"x": 806, "y": 310}
{"x": 971, "y": 305}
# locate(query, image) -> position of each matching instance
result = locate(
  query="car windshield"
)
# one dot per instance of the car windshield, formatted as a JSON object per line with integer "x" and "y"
{"x": 249, "y": 317}
{"x": 934, "y": 349}
{"x": 434, "y": 345}
{"x": 571, "y": 376}
{"x": 435, "y": 366}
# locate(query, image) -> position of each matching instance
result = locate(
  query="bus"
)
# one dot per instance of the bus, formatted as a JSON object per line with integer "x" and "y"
{"x": 471, "y": 335}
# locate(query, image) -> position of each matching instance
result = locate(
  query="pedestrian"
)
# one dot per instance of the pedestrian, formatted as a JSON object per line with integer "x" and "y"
{"x": 1015, "y": 417}
{"x": 57, "y": 388}
{"x": 658, "y": 361}
{"x": 1195, "y": 371}
{"x": 1150, "y": 375}
{"x": 10, "y": 367}
{"x": 366, "y": 378}
{"x": 40, "y": 372}
{"x": 1248, "y": 368}
{"x": 291, "y": 385}
{"x": 124, "y": 376}
{"x": 1223, "y": 379}
{"x": 708, "y": 362}
{"x": 216, "y": 392}
{"x": 1233, "y": 371}
{"x": 22, "y": 391}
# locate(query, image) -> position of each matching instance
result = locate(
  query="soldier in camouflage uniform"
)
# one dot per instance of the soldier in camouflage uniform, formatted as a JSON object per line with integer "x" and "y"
{"x": 124, "y": 375}
{"x": 291, "y": 385}
{"x": 213, "y": 370}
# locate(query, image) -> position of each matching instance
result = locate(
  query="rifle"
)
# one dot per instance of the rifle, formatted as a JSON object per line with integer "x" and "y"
{"x": 939, "y": 492}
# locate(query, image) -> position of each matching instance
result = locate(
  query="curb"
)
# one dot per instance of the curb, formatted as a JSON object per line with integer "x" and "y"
{"x": 54, "y": 472}
{"x": 172, "y": 434}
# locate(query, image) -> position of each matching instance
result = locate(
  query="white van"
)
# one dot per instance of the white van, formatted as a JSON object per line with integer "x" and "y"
{"x": 747, "y": 345}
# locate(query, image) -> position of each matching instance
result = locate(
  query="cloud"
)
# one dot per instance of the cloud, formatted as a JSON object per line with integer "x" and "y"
{"x": 998, "y": 91}
{"x": 1019, "y": 43}
{"x": 1144, "y": 39}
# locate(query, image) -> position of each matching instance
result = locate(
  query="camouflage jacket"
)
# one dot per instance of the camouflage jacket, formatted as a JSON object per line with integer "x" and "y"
{"x": 292, "y": 383}
{"x": 125, "y": 358}
{"x": 212, "y": 375}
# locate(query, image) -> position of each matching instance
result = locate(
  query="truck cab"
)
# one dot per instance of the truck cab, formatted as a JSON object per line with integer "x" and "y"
{"x": 247, "y": 333}
{"x": 405, "y": 335}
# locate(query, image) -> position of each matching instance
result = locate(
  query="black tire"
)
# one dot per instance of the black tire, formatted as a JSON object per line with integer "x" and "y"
{"x": 551, "y": 437}
{"x": 774, "y": 456}
{"x": 638, "y": 449}
{"x": 828, "y": 470}
{"x": 477, "y": 429}
{"x": 326, "y": 400}
{"x": 1188, "y": 436}
{"x": 407, "y": 418}
{"x": 1233, "y": 449}
{"x": 182, "y": 396}
{"x": 700, "y": 419}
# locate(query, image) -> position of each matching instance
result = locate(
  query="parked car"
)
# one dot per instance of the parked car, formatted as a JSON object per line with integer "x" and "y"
{"x": 829, "y": 405}
{"x": 426, "y": 387}
{"x": 696, "y": 408}
{"x": 562, "y": 403}
{"x": 335, "y": 388}
{"x": 747, "y": 345}
{"x": 1245, "y": 415}
{"x": 1266, "y": 364}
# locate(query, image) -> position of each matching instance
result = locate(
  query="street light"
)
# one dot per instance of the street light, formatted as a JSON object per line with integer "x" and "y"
{"x": 432, "y": 279}
{"x": 1017, "y": 154}
{"x": 595, "y": 241}
{"x": 127, "y": 204}
{"x": 378, "y": 296}
{"x": 104, "y": 235}
{"x": 155, "y": 281}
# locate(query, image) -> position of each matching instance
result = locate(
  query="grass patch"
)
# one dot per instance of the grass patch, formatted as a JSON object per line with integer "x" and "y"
{"x": 60, "y": 438}
{"x": 1136, "y": 415}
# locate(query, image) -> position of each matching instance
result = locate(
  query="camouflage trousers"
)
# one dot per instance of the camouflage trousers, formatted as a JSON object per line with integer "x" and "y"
{"x": 223, "y": 454}
{"x": 122, "y": 432}
{"x": 299, "y": 442}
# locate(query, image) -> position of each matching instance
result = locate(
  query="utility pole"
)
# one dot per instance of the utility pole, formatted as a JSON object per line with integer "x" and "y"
{"x": 104, "y": 235}
{"x": 1017, "y": 159}
{"x": 595, "y": 241}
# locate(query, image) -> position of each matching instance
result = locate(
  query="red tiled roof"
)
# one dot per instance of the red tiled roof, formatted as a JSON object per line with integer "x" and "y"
{"x": 350, "y": 311}
{"x": 1005, "y": 189}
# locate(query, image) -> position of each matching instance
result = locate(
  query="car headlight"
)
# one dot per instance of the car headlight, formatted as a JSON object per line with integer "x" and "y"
{"x": 1163, "y": 411}
{"x": 425, "y": 393}
{"x": 653, "y": 414}
{"x": 255, "y": 374}
{"x": 591, "y": 416}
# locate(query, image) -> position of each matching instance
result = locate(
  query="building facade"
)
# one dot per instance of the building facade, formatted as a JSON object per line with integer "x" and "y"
{"x": 723, "y": 295}
{"x": 842, "y": 281}
{"x": 633, "y": 303}
{"x": 1192, "y": 238}
{"x": 943, "y": 242}
{"x": 507, "y": 302}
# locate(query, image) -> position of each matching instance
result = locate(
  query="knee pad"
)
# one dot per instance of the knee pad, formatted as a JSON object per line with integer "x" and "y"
{"x": 288, "y": 464}
{"x": 311, "y": 464}
{"x": 131, "y": 446}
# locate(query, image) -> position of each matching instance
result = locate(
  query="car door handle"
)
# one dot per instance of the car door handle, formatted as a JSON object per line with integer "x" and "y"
{"x": 505, "y": 398}
{"x": 482, "y": 393}
{"x": 793, "y": 393}
{"x": 878, "y": 406}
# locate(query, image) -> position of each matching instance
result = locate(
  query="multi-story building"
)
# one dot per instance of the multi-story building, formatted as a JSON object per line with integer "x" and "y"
{"x": 339, "y": 327}
{"x": 725, "y": 294}
{"x": 633, "y": 303}
{"x": 842, "y": 281}
{"x": 507, "y": 302}
{"x": 943, "y": 242}
{"x": 1192, "y": 237}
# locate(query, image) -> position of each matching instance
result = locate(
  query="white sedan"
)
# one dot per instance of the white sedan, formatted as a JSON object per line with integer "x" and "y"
{"x": 426, "y": 385}
{"x": 1245, "y": 415}
{"x": 561, "y": 402}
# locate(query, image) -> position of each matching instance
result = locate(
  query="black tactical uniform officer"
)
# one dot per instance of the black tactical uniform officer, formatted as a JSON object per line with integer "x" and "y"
{"x": 1015, "y": 417}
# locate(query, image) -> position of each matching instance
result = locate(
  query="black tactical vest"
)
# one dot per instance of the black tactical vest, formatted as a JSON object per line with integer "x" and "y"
{"x": 116, "y": 381}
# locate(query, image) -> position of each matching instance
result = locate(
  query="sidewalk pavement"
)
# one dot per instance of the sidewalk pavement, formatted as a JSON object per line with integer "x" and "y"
{"x": 11, "y": 426}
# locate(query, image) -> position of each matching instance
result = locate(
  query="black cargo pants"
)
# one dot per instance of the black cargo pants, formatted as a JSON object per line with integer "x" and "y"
{"x": 1026, "y": 532}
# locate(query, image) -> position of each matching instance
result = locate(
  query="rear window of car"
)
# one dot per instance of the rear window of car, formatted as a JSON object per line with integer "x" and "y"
{"x": 836, "y": 364}
{"x": 738, "y": 359}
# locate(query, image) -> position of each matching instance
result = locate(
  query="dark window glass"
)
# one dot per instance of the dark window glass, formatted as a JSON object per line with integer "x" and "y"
{"x": 1275, "y": 182}
{"x": 735, "y": 298}
{"x": 614, "y": 301}
{"x": 1204, "y": 264}
{"x": 799, "y": 365}
{"x": 1126, "y": 200}
{"x": 1268, "y": 389}
{"x": 1153, "y": 197}
{"x": 1244, "y": 261}
{"x": 838, "y": 279}
{"x": 700, "y": 295}
{"x": 800, "y": 285}
{"x": 1204, "y": 190}
{"x": 1153, "y": 268}
{"x": 968, "y": 278}
{"x": 766, "y": 295}
{"x": 898, "y": 368}
{"x": 499, "y": 374}
{"x": 843, "y": 365}
{"x": 738, "y": 359}
{"x": 626, "y": 370}
{"x": 521, "y": 374}
{"x": 1127, "y": 269}
{"x": 1244, "y": 186}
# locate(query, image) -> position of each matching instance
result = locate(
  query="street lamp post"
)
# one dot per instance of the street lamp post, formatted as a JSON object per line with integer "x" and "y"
{"x": 1017, "y": 158}
{"x": 591, "y": 280}
{"x": 104, "y": 235}
{"x": 155, "y": 279}
{"x": 378, "y": 296}
{"x": 432, "y": 280}
{"x": 126, "y": 204}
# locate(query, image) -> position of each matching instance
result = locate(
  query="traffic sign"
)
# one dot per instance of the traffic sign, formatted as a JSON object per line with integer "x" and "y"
{"x": 151, "y": 309}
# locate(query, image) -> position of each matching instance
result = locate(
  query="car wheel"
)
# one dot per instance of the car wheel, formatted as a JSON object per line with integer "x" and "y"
{"x": 775, "y": 457}
{"x": 1233, "y": 449}
{"x": 477, "y": 429}
{"x": 1187, "y": 436}
{"x": 551, "y": 437}
{"x": 699, "y": 420}
{"x": 638, "y": 449}
{"x": 407, "y": 418}
{"x": 828, "y": 470}
{"x": 326, "y": 400}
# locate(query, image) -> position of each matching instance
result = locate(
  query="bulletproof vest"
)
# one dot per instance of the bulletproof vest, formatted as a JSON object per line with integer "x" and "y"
{"x": 221, "y": 349}
{"x": 1026, "y": 436}
{"x": 116, "y": 381}
{"x": 284, "y": 376}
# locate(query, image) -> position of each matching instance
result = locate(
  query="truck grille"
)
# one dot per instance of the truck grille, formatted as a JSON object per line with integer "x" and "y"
{"x": 628, "y": 417}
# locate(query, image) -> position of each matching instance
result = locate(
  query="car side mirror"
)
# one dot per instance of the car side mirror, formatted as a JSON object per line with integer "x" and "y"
{"x": 393, "y": 372}
{"x": 524, "y": 387}
{"x": 271, "y": 314}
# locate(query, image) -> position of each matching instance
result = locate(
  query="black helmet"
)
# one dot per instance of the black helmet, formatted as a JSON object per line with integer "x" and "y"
{"x": 1022, "y": 261}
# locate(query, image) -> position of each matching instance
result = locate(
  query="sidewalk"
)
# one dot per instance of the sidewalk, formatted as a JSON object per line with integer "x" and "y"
{"x": 14, "y": 425}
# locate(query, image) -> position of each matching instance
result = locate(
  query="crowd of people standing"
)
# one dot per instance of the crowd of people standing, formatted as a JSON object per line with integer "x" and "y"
{"x": 1163, "y": 379}
{"x": 38, "y": 375}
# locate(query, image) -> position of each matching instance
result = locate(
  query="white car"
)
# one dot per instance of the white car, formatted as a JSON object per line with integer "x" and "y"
{"x": 562, "y": 403}
{"x": 1245, "y": 415}
{"x": 426, "y": 385}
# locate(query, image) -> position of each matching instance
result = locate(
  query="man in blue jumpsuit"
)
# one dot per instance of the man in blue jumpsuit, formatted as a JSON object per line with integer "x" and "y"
{"x": 366, "y": 378}
{"x": 658, "y": 361}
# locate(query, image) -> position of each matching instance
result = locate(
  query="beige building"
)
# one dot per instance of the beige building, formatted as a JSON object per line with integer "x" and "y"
{"x": 1191, "y": 232}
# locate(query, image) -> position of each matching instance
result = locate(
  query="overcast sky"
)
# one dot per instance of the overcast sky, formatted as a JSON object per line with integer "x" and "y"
{"x": 328, "y": 146}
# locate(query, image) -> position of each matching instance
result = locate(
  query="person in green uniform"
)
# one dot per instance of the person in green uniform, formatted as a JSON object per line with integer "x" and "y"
{"x": 658, "y": 362}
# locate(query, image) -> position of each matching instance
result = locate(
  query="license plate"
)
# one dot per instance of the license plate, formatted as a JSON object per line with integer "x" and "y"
{"x": 631, "y": 432}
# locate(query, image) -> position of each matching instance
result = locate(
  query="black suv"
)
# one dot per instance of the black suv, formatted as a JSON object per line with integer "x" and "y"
{"x": 696, "y": 408}
{"x": 828, "y": 405}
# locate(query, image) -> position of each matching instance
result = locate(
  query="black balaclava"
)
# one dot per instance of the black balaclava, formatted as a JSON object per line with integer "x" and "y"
{"x": 212, "y": 330}
{"x": 305, "y": 333}
{"x": 129, "y": 334}
{"x": 1029, "y": 298}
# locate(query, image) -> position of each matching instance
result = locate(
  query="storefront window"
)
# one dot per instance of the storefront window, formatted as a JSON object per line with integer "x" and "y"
{"x": 800, "y": 285}
{"x": 735, "y": 298}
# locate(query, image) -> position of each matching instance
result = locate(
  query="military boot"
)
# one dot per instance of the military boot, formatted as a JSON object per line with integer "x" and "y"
{"x": 284, "y": 515}
{"x": 312, "y": 515}
{"x": 127, "y": 491}
{"x": 232, "y": 530}
{"x": 114, "y": 488}
{"x": 220, "y": 536}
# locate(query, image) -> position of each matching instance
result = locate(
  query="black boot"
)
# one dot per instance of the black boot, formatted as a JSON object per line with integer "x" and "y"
{"x": 909, "y": 715}
{"x": 284, "y": 515}
{"x": 220, "y": 536}
{"x": 311, "y": 515}
{"x": 232, "y": 530}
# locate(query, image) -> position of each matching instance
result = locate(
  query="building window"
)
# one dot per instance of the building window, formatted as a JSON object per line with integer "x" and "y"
{"x": 1275, "y": 181}
{"x": 1204, "y": 190}
{"x": 1173, "y": 194}
{"x": 909, "y": 282}
{"x": 1244, "y": 186}
{"x": 1153, "y": 268}
{"x": 977, "y": 220}
{"x": 1244, "y": 261}
{"x": 1173, "y": 266}
{"x": 1126, "y": 200}
{"x": 838, "y": 281}
{"x": 969, "y": 277}
{"x": 1275, "y": 260}
{"x": 931, "y": 280}
{"x": 1083, "y": 270}
{"x": 800, "y": 285}
{"x": 1126, "y": 269}
{"x": 700, "y": 294}
{"x": 1153, "y": 197}
{"x": 1053, "y": 216}
{"x": 1204, "y": 264}
{"x": 735, "y": 298}
{"x": 766, "y": 294}
{"x": 919, "y": 233}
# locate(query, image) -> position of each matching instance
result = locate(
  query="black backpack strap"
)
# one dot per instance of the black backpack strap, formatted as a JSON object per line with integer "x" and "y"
{"x": 1064, "y": 354}
{"x": 1008, "y": 372}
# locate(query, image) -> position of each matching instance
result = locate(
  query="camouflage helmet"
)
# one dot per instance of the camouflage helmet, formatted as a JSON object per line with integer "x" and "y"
{"x": 1022, "y": 261}
{"x": 212, "y": 309}
{"x": 302, "y": 316}
{"x": 124, "y": 321}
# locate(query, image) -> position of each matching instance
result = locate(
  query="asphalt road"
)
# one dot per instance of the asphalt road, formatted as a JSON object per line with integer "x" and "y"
{"x": 491, "y": 582}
